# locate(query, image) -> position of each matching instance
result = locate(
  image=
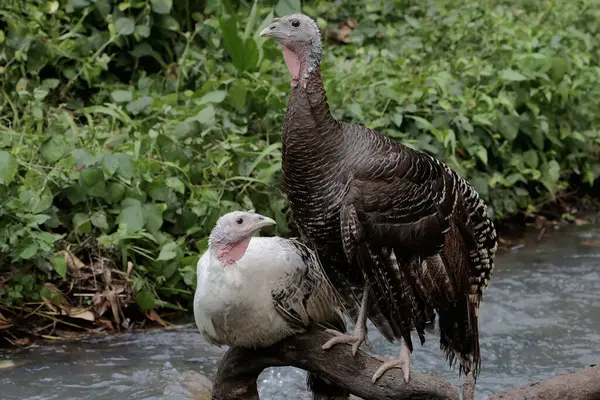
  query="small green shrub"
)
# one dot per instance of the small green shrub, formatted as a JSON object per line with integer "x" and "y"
{"x": 128, "y": 128}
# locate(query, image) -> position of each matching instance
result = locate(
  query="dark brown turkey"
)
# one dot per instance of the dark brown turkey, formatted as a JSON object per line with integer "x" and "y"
{"x": 396, "y": 230}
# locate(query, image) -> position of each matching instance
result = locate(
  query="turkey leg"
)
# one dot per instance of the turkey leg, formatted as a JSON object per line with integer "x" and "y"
{"x": 359, "y": 335}
{"x": 403, "y": 362}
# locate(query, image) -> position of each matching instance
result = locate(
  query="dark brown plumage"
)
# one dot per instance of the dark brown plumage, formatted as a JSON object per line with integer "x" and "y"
{"x": 380, "y": 214}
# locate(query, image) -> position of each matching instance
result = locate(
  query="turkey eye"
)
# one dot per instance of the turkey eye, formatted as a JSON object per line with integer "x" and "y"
{"x": 239, "y": 221}
{"x": 295, "y": 23}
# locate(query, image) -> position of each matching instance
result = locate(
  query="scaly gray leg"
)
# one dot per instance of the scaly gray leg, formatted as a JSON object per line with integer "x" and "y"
{"x": 359, "y": 334}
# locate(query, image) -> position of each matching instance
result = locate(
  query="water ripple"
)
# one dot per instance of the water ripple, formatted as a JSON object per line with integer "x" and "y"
{"x": 541, "y": 317}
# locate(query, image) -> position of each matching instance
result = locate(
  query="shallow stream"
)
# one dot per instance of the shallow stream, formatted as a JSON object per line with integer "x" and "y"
{"x": 541, "y": 317}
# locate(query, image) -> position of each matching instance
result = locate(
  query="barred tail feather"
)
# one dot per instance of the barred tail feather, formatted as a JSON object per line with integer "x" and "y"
{"x": 459, "y": 335}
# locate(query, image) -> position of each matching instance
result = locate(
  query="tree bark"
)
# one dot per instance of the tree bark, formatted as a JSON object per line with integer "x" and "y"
{"x": 239, "y": 369}
{"x": 581, "y": 385}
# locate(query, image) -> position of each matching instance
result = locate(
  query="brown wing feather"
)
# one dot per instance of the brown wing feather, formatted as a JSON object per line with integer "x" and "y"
{"x": 422, "y": 237}
{"x": 306, "y": 297}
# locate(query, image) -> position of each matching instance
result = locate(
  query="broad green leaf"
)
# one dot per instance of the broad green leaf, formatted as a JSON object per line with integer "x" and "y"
{"x": 158, "y": 191}
{"x": 233, "y": 43}
{"x": 175, "y": 184}
{"x": 145, "y": 299}
{"x": 422, "y": 123}
{"x": 250, "y": 54}
{"x": 124, "y": 26}
{"x": 44, "y": 202}
{"x": 99, "y": 220}
{"x": 167, "y": 22}
{"x": 27, "y": 248}
{"x": 38, "y": 219}
{"x": 482, "y": 154}
{"x": 285, "y": 7}
{"x": 110, "y": 164}
{"x": 531, "y": 158}
{"x": 82, "y": 223}
{"x": 251, "y": 20}
{"x": 412, "y": 22}
{"x": 131, "y": 216}
{"x": 59, "y": 263}
{"x": 162, "y": 6}
{"x": 85, "y": 158}
{"x": 49, "y": 84}
{"x": 126, "y": 166}
{"x": 168, "y": 251}
{"x": 206, "y": 116}
{"x": 512, "y": 75}
{"x": 139, "y": 105}
{"x": 213, "y": 97}
{"x": 508, "y": 125}
{"x": 8, "y": 167}
{"x": 170, "y": 269}
{"x": 91, "y": 176}
{"x": 550, "y": 174}
{"x": 142, "y": 30}
{"x": 114, "y": 192}
{"x": 154, "y": 219}
{"x": 54, "y": 149}
{"x": 121, "y": 96}
{"x": 237, "y": 94}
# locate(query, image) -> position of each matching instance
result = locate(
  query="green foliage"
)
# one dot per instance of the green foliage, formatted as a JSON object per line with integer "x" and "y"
{"x": 136, "y": 124}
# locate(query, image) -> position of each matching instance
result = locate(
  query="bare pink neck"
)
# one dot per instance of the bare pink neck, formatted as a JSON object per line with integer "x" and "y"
{"x": 230, "y": 253}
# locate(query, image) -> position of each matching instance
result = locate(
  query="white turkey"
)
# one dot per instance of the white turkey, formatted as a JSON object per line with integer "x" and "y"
{"x": 255, "y": 291}
{"x": 398, "y": 233}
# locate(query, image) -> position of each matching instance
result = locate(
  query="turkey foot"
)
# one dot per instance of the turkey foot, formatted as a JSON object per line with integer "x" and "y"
{"x": 358, "y": 337}
{"x": 403, "y": 362}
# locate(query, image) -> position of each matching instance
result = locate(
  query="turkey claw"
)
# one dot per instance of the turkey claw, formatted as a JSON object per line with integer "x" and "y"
{"x": 355, "y": 340}
{"x": 402, "y": 362}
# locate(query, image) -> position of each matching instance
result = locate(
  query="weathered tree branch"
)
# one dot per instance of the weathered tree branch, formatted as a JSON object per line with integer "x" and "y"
{"x": 580, "y": 385}
{"x": 239, "y": 369}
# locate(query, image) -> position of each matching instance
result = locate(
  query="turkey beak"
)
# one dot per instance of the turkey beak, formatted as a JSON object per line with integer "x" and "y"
{"x": 261, "y": 221}
{"x": 271, "y": 31}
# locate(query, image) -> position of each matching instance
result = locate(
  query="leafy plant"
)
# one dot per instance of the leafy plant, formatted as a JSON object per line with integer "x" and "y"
{"x": 127, "y": 128}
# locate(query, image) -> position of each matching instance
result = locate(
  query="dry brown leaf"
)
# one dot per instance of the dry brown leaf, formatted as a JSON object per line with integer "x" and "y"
{"x": 22, "y": 342}
{"x": 129, "y": 268}
{"x": 4, "y": 322}
{"x": 72, "y": 261}
{"x": 98, "y": 298}
{"x": 591, "y": 243}
{"x": 345, "y": 29}
{"x": 153, "y": 316}
{"x": 82, "y": 313}
{"x": 112, "y": 298}
{"x": 50, "y": 306}
{"x": 101, "y": 308}
{"x": 105, "y": 322}
{"x": 581, "y": 221}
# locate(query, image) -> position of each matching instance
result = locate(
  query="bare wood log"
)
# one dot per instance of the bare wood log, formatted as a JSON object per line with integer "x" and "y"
{"x": 580, "y": 385}
{"x": 239, "y": 369}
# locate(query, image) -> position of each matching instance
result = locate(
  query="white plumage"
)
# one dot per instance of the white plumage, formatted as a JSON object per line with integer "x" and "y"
{"x": 276, "y": 289}
{"x": 254, "y": 292}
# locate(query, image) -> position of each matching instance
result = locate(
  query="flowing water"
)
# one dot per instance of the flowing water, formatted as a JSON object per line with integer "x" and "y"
{"x": 541, "y": 317}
